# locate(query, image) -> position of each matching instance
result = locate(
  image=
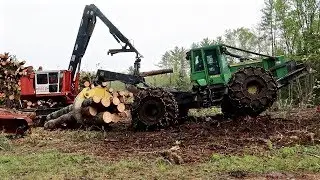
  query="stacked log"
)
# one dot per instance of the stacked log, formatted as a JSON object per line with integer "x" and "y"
{"x": 10, "y": 72}
{"x": 103, "y": 107}
{"x": 39, "y": 104}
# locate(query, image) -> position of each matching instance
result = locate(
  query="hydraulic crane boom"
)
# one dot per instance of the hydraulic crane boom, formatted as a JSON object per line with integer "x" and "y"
{"x": 86, "y": 28}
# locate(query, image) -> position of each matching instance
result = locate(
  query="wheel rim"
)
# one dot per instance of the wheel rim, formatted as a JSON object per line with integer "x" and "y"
{"x": 151, "y": 111}
{"x": 253, "y": 87}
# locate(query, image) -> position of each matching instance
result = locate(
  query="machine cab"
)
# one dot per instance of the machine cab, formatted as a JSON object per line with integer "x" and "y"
{"x": 206, "y": 65}
{"x": 47, "y": 82}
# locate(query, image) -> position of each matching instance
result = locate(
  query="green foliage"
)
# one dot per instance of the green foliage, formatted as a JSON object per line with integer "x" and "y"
{"x": 176, "y": 60}
{"x": 86, "y": 76}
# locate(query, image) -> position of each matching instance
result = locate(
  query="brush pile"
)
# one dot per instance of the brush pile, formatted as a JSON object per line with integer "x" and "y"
{"x": 10, "y": 72}
{"x": 95, "y": 106}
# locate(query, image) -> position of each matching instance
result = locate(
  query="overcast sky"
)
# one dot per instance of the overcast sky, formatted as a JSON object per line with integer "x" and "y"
{"x": 43, "y": 32}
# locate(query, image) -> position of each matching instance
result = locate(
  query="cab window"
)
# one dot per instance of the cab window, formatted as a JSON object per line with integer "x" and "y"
{"x": 42, "y": 78}
{"x": 53, "y": 82}
{"x": 198, "y": 61}
{"x": 212, "y": 62}
{"x": 53, "y": 78}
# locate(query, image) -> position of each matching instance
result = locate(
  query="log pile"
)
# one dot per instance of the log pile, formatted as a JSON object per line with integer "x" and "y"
{"x": 39, "y": 104}
{"x": 94, "y": 106}
{"x": 10, "y": 72}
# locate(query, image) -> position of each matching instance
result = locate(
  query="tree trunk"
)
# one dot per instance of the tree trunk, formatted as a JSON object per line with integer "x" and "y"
{"x": 55, "y": 123}
{"x": 60, "y": 112}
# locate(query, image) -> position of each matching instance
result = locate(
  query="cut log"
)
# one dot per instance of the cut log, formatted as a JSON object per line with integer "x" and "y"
{"x": 86, "y": 84}
{"x": 104, "y": 84}
{"x": 107, "y": 117}
{"x": 121, "y": 107}
{"x": 96, "y": 99}
{"x": 122, "y": 93}
{"x": 55, "y": 123}
{"x": 29, "y": 103}
{"x": 89, "y": 111}
{"x": 105, "y": 102}
{"x": 11, "y": 97}
{"x": 115, "y": 118}
{"x": 115, "y": 100}
{"x": 115, "y": 94}
{"x": 39, "y": 103}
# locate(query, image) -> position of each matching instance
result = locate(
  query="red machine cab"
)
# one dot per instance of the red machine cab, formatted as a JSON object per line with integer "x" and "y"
{"x": 55, "y": 85}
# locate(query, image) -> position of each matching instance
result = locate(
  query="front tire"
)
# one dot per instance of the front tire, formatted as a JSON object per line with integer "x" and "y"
{"x": 154, "y": 108}
{"x": 251, "y": 91}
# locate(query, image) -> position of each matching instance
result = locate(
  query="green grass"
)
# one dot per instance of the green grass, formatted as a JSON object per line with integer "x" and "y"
{"x": 4, "y": 143}
{"x": 57, "y": 165}
{"x": 205, "y": 112}
{"x": 288, "y": 159}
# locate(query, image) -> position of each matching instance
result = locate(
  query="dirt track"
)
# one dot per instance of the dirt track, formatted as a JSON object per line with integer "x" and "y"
{"x": 197, "y": 138}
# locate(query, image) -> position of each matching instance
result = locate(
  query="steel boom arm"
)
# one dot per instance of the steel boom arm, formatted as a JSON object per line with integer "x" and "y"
{"x": 86, "y": 28}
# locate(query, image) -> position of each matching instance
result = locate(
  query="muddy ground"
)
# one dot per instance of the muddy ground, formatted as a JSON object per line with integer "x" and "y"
{"x": 194, "y": 141}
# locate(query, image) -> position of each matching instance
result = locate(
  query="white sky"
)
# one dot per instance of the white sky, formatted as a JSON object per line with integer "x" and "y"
{"x": 43, "y": 32}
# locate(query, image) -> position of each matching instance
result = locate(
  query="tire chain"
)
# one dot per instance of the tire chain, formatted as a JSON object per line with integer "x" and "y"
{"x": 269, "y": 97}
{"x": 171, "y": 107}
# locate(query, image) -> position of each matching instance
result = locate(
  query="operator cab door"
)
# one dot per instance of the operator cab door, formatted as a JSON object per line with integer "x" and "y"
{"x": 198, "y": 68}
{"x": 47, "y": 82}
{"x": 212, "y": 63}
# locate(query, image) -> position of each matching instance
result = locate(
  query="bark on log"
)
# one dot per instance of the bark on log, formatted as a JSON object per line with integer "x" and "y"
{"x": 60, "y": 112}
{"x": 87, "y": 102}
{"x": 55, "y": 123}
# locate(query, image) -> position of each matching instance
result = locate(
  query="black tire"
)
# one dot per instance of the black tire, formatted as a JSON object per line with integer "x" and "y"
{"x": 251, "y": 91}
{"x": 154, "y": 108}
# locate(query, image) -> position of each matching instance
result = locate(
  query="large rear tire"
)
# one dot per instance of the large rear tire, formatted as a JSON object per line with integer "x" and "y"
{"x": 154, "y": 108}
{"x": 251, "y": 91}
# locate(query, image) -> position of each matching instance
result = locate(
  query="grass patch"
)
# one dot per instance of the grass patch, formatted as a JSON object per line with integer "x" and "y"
{"x": 288, "y": 159}
{"x": 57, "y": 165}
{"x": 212, "y": 111}
{"x": 5, "y": 144}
